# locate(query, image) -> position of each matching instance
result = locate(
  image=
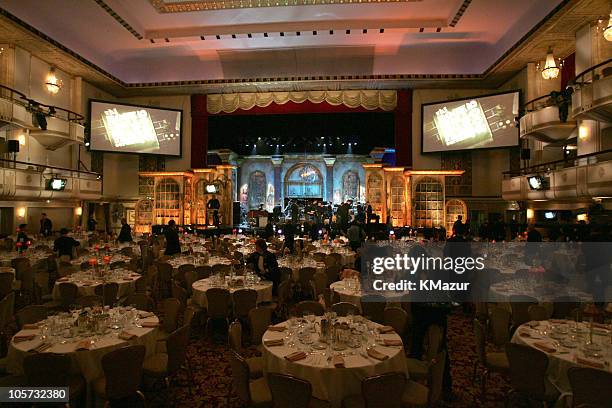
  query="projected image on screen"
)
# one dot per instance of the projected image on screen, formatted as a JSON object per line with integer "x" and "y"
{"x": 135, "y": 129}
{"x": 474, "y": 123}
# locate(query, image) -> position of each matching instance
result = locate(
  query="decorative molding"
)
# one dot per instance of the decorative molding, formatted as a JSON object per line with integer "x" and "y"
{"x": 163, "y": 6}
{"x": 460, "y": 12}
{"x": 119, "y": 19}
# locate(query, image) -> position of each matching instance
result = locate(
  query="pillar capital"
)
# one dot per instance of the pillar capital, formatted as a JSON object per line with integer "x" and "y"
{"x": 277, "y": 160}
{"x": 329, "y": 161}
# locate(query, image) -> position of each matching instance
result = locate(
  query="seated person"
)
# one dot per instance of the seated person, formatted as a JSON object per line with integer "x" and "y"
{"x": 265, "y": 264}
{"x": 65, "y": 245}
{"x": 22, "y": 236}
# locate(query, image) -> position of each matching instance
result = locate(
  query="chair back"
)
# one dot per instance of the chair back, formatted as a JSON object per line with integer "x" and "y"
{"x": 306, "y": 274}
{"x": 527, "y": 370}
{"x": 89, "y": 301}
{"x": 383, "y": 391}
{"x": 7, "y": 308}
{"x": 68, "y": 293}
{"x": 42, "y": 282}
{"x": 333, "y": 273}
{"x": 436, "y": 378}
{"x": 109, "y": 292}
{"x": 260, "y": 319}
{"x": 244, "y": 300}
{"x": 500, "y": 325}
{"x": 46, "y": 369}
{"x": 397, "y": 318}
{"x": 240, "y": 377}
{"x": 172, "y": 308}
{"x": 218, "y": 300}
{"x": 480, "y": 336}
{"x": 180, "y": 293}
{"x": 288, "y": 391}
{"x": 164, "y": 271}
{"x": 123, "y": 371}
{"x": 373, "y": 307}
{"x": 564, "y": 306}
{"x": 217, "y": 268}
{"x": 234, "y": 335}
{"x": 285, "y": 273}
{"x": 520, "y": 308}
{"x": 345, "y": 309}
{"x": 309, "y": 306}
{"x": 30, "y": 314}
{"x": 538, "y": 312}
{"x": 141, "y": 301}
{"x": 203, "y": 271}
{"x": 6, "y": 283}
{"x": 590, "y": 386}
{"x": 20, "y": 264}
{"x": 329, "y": 261}
{"x": 320, "y": 282}
{"x": 319, "y": 256}
{"x": 177, "y": 348}
{"x": 434, "y": 341}
{"x": 190, "y": 278}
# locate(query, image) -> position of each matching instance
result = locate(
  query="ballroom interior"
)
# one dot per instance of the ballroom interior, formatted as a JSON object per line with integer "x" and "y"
{"x": 180, "y": 180}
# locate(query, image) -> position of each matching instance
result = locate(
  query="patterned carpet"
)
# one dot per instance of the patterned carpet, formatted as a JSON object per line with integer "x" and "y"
{"x": 212, "y": 374}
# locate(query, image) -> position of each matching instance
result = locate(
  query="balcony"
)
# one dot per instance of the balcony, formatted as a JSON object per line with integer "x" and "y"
{"x": 583, "y": 177}
{"x": 592, "y": 98}
{"x": 541, "y": 122}
{"x": 27, "y": 181}
{"x": 51, "y": 126}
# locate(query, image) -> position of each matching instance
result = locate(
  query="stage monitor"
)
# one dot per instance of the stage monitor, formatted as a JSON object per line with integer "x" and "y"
{"x": 538, "y": 182}
{"x": 123, "y": 128}
{"x": 211, "y": 189}
{"x": 473, "y": 123}
{"x": 56, "y": 184}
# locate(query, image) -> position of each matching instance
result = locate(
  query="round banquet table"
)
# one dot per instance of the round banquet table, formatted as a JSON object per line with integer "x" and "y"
{"x": 263, "y": 288}
{"x": 87, "y": 285}
{"x": 33, "y": 256}
{"x": 567, "y": 348}
{"x": 193, "y": 260}
{"x": 348, "y": 292}
{"x": 543, "y": 291}
{"x": 86, "y": 362}
{"x": 330, "y": 383}
{"x": 295, "y": 265}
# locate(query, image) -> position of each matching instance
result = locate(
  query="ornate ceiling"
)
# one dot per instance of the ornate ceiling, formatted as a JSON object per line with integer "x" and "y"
{"x": 163, "y": 46}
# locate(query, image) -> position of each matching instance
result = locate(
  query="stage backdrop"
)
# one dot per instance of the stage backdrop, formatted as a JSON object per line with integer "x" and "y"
{"x": 399, "y": 102}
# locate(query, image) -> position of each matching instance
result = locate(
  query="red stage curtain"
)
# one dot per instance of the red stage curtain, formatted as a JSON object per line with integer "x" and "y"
{"x": 403, "y": 123}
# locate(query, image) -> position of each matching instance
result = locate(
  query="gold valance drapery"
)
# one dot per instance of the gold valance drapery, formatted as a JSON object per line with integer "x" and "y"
{"x": 368, "y": 99}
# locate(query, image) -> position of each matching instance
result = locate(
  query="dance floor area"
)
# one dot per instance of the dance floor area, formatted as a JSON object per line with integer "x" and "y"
{"x": 213, "y": 383}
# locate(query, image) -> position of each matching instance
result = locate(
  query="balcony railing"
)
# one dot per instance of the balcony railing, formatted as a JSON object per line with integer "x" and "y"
{"x": 28, "y": 181}
{"x": 34, "y": 106}
{"x": 592, "y": 98}
{"x": 591, "y": 158}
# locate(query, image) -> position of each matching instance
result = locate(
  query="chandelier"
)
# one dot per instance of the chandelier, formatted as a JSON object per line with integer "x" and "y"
{"x": 608, "y": 30}
{"x": 52, "y": 83}
{"x": 550, "y": 70}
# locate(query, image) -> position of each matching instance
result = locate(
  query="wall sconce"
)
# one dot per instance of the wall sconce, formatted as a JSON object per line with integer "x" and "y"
{"x": 582, "y": 217}
{"x": 608, "y": 30}
{"x": 78, "y": 211}
{"x": 22, "y": 139}
{"x": 530, "y": 213}
{"x": 583, "y": 132}
{"x": 52, "y": 83}
{"x": 21, "y": 211}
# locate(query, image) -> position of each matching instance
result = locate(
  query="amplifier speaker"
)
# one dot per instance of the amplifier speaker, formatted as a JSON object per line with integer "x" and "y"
{"x": 13, "y": 146}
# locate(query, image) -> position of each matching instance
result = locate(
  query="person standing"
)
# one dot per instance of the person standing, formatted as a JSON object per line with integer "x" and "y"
{"x": 91, "y": 224}
{"x": 173, "y": 245}
{"x": 65, "y": 245}
{"x": 46, "y": 226}
{"x": 125, "y": 235}
{"x": 355, "y": 235}
{"x": 369, "y": 210}
{"x": 214, "y": 204}
{"x": 458, "y": 226}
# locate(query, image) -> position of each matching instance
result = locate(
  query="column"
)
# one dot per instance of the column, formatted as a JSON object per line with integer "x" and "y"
{"x": 329, "y": 178}
{"x": 199, "y": 132}
{"x": 277, "y": 162}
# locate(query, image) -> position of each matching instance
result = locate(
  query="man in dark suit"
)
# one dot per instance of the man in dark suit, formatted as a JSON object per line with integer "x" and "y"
{"x": 65, "y": 245}
{"x": 173, "y": 245}
{"x": 265, "y": 264}
{"x": 46, "y": 226}
{"x": 125, "y": 235}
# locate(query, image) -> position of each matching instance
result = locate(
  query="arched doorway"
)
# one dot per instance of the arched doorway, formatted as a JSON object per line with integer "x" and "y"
{"x": 303, "y": 181}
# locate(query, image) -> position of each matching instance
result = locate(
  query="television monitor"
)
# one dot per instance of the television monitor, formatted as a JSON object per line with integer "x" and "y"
{"x": 124, "y": 128}
{"x": 537, "y": 182}
{"x": 211, "y": 189}
{"x": 56, "y": 184}
{"x": 472, "y": 123}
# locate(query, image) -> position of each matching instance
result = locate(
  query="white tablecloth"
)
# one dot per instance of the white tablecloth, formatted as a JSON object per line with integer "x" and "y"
{"x": 295, "y": 265}
{"x": 564, "y": 357}
{"x": 351, "y": 294}
{"x": 543, "y": 291}
{"x": 330, "y": 383}
{"x": 264, "y": 290}
{"x": 87, "y": 286}
{"x": 86, "y": 362}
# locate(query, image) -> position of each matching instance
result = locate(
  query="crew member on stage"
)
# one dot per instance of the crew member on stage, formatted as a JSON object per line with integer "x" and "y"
{"x": 214, "y": 204}
{"x": 264, "y": 264}
{"x": 173, "y": 245}
{"x": 369, "y": 212}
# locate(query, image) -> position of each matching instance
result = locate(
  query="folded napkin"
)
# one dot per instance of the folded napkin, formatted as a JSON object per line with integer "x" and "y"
{"x": 23, "y": 337}
{"x": 144, "y": 315}
{"x": 544, "y": 347}
{"x": 83, "y": 345}
{"x": 524, "y": 333}
{"x": 87, "y": 283}
{"x": 296, "y": 356}
{"x": 385, "y": 329}
{"x": 601, "y": 326}
{"x": 533, "y": 324}
{"x": 276, "y": 328}
{"x": 64, "y": 279}
{"x": 589, "y": 362}
{"x": 149, "y": 325}
{"x": 557, "y": 321}
{"x": 338, "y": 361}
{"x": 123, "y": 335}
{"x": 272, "y": 343}
{"x": 393, "y": 342}
{"x": 40, "y": 348}
{"x": 372, "y": 352}
{"x": 6, "y": 269}
{"x": 30, "y": 326}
